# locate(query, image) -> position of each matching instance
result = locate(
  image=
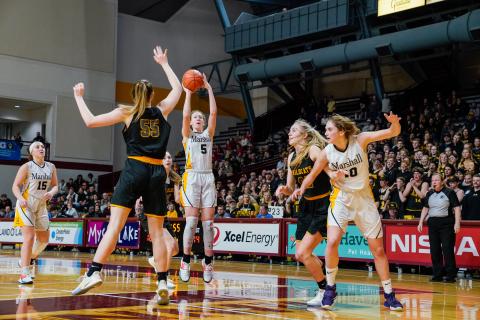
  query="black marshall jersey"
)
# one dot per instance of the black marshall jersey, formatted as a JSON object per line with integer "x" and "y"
{"x": 148, "y": 136}
{"x": 320, "y": 186}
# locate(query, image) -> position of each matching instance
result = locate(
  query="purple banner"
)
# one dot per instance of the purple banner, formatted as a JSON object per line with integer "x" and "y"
{"x": 129, "y": 237}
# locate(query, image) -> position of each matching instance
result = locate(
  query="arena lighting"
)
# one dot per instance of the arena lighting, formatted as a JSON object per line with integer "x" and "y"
{"x": 17, "y": 107}
{"x": 475, "y": 32}
{"x": 384, "y": 50}
{"x": 307, "y": 65}
{"x": 243, "y": 77}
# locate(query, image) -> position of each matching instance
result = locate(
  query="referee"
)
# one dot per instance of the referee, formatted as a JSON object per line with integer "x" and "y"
{"x": 443, "y": 209}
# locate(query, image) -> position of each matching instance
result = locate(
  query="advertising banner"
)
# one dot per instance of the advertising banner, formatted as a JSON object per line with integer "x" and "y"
{"x": 129, "y": 236}
{"x": 353, "y": 245}
{"x": 9, "y": 234}
{"x": 66, "y": 233}
{"x": 404, "y": 244}
{"x": 9, "y": 150}
{"x": 247, "y": 237}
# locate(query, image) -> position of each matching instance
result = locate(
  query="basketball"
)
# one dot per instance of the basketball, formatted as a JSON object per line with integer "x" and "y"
{"x": 192, "y": 80}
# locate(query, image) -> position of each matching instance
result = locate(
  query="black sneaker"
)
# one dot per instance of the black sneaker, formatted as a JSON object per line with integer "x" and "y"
{"x": 449, "y": 279}
{"x": 436, "y": 279}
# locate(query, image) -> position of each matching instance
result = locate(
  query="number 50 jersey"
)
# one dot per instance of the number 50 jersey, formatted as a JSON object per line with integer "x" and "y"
{"x": 198, "y": 151}
{"x": 354, "y": 161}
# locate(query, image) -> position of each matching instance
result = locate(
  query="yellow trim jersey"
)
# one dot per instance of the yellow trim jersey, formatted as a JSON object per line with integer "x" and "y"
{"x": 38, "y": 180}
{"x": 354, "y": 160}
{"x": 198, "y": 151}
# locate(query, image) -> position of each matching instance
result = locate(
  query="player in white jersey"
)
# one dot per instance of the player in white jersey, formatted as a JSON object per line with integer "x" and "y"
{"x": 30, "y": 187}
{"x": 352, "y": 198}
{"x": 198, "y": 190}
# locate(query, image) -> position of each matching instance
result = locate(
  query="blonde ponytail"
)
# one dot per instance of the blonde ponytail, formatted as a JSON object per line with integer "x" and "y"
{"x": 314, "y": 138}
{"x": 141, "y": 95}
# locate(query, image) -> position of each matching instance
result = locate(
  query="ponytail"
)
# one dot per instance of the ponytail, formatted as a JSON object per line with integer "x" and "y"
{"x": 141, "y": 94}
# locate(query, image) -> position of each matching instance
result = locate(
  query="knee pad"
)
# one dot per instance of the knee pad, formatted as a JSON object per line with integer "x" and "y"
{"x": 189, "y": 232}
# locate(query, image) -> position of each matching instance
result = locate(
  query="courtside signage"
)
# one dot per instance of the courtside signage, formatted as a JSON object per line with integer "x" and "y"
{"x": 10, "y": 234}
{"x": 247, "y": 237}
{"x": 66, "y": 233}
{"x": 129, "y": 237}
{"x": 404, "y": 244}
{"x": 353, "y": 245}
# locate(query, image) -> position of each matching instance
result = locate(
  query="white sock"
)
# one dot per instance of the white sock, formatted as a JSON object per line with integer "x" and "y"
{"x": 331, "y": 274}
{"x": 387, "y": 286}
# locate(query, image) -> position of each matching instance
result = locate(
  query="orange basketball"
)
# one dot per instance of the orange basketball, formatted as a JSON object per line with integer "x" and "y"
{"x": 192, "y": 80}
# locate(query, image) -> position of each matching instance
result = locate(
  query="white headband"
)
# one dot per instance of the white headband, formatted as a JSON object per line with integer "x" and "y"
{"x": 30, "y": 148}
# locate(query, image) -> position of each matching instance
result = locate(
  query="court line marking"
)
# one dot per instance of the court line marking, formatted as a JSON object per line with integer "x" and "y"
{"x": 202, "y": 307}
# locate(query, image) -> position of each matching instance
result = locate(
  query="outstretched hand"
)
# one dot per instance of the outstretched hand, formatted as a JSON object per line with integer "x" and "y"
{"x": 160, "y": 56}
{"x": 392, "y": 118}
{"x": 79, "y": 89}
{"x": 206, "y": 85}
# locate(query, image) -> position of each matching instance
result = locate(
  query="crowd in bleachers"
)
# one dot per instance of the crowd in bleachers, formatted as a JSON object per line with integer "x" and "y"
{"x": 439, "y": 134}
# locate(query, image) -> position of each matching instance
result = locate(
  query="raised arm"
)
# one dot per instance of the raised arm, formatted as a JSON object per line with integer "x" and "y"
{"x": 365, "y": 138}
{"x": 187, "y": 113}
{"x": 117, "y": 115}
{"x": 169, "y": 103}
{"x": 212, "y": 119}
{"x": 19, "y": 179}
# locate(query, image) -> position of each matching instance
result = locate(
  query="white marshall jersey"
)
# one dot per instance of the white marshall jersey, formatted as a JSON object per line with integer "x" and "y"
{"x": 198, "y": 151}
{"x": 38, "y": 180}
{"x": 354, "y": 161}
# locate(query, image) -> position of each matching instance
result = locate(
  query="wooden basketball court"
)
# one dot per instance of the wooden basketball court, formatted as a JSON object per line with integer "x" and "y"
{"x": 240, "y": 290}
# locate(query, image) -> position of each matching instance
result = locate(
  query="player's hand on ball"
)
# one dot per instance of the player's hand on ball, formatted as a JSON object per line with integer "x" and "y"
{"x": 79, "y": 89}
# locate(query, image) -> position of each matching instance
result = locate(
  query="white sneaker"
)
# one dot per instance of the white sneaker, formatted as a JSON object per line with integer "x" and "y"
{"x": 162, "y": 292}
{"x": 207, "y": 271}
{"x": 25, "y": 278}
{"x": 151, "y": 260}
{"x": 184, "y": 271}
{"x": 317, "y": 301}
{"x": 31, "y": 268}
{"x": 88, "y": 283}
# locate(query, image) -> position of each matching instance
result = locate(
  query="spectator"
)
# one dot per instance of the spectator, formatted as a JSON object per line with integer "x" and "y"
{"x": 62, "y": 187}
{"x": 39, "y": 137}
{"x": 442, "y": 206}
{"x": 467, "y": 183}
{"x": 263, "y": 212}
{"x": 414, "y": 192}
{"x": 71, "y": 212}
{"x": 171, "y": 212}
{"x": 471, "y": 201}
{"x": 221, "y": 213}
{"x": 5, "y": 201}
{"x": 245, "y": 208}
{"x": 452, "y": 183}
{"x": 9, "y": 213}
{"x": 391, "y": 212}
{"x": 331, "y": 105}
